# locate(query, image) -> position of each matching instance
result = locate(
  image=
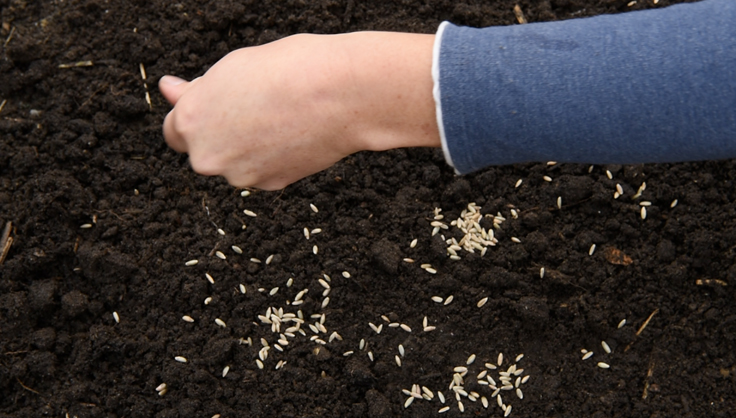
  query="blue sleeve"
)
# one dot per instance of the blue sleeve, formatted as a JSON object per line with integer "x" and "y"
{"x": 648, "y": 86}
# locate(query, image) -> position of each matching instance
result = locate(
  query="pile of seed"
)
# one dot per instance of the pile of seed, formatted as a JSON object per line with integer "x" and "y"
{"x": 475, "y": 237}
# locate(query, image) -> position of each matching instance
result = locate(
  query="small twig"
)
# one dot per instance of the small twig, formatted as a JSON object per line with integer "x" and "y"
{"x": 145, "y": 85}
{"x": 26, "y": 387}
{"x": 2, "y": 105}
{"x": 644, "y": 325}
{"x": 650, "y": 372}
{"x": 77, "y": 64}
{"x": 519, "y": 14}
{"x": 5, "y": 241}
{"x": 10, "y": 36}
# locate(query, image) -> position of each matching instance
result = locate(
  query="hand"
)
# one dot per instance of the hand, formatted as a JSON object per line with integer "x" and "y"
{"x": 270, "y": 115}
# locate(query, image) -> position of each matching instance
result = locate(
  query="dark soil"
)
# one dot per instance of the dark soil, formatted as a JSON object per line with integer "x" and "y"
{"x": 80, "y": 146}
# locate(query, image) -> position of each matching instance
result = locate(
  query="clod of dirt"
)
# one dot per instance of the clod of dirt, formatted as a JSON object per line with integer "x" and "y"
{"x": 378, "y": 405}
{"x": 104, "y": 264}
{"x": 44, "y": 338}
{"x": 41, "y": 294}
{"x": 74, "y": 303}
{"x": 386, "y": 254}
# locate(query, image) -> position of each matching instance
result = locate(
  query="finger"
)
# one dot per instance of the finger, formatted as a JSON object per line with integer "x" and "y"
{"x": 171, "y": 135}
{"x": 172, "y": 88}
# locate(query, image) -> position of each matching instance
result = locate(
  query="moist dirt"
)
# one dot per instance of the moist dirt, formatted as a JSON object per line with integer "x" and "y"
{"x": 80, "y": 145}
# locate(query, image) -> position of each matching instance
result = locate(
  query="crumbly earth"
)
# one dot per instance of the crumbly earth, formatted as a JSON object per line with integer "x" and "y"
{"x": 80, "y": 146}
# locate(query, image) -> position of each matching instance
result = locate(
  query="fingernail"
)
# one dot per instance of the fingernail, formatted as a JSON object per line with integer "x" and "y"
{"x": 171, "y": 80}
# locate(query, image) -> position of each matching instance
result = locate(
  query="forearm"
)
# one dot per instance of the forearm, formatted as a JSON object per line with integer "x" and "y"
{"x": 652, "y": 86}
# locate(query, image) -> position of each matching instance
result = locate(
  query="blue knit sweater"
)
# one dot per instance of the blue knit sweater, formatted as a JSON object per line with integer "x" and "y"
{"x": 648, "y": 86}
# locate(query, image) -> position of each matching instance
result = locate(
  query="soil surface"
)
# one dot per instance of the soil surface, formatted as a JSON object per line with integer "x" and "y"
{"x": 104, "y": 217}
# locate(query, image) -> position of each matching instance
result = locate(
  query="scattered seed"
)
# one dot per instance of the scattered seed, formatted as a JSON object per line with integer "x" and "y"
{"x": 370, "y": 355}
{"x": 401, "y": 350}
{"x": 209, "y": 278}
{"x": 541, "y": 273}
{"x": 314, "y": 208}
{"x": 448, "y": 300}
{"x": 408, "y": 260}
{"x": 220, "y": 322}
{"x": 225, "y": 370}
{"x": 259, "y": 363}
{"x": 591, "y": 250}
{"x": 482, "y": 302}
{"x": 499, "y": 400}
{"x": 429, "y": 328}
{"x": 484, "y": 401}
{"x": 405, "y": 327}
{"x": 622, "y": 323}
{"x": 220, "y": 231}
{"x": 316, "y": 231}
{"x": 643, "y": 212}
{"x": 362, "y": 344}
{"x": 180, "y": 359}
{"x": 208, "y": 300}
{"x": 588, "y": 355}
{"x": 325, "y": 302}
{"x": 116, "y": 317}
{"x": 273, "y": 291}
{"x": 187, "y": 318}
{"x": 437, "y": 299}
{"x": 250, "y": 213}
{"x": 490, "y": 366}
{"x": 443, "y": 409}
{"x": 85, "y": 226}
{"x": 245, "y": 193}
{"x": 398, "y": 360}
{"x": 220, "y": 255}
{"x": 269, "y": 259}
{"x": 559, "y": 202}
{"x": 460, "y": 406}
{"x": 547, "y": 178}
{"x": 470, "y": 360}
{"x": 441, "y": 397}
{"x": 255, "y": 260}
{"x": 518, "y": 358}
{"x": 290, "y": 282}
{"x": 673, "y": 204}
{"x": 609, "y": 175}
{"x": 524, "y": 379}
{"x": 413, "y": 243}
{"x": 616, "y": 195}
{"x": 518, "y": 183}
{"x": 347, "y": 353}
{"x": 508, "y": 411}
{"x": 645, "y": 203}
{"x": 606, "y": 348}
{"x": 161, "y": 387}
{"x": 191, "y": 263}
{"x": 346, "y": 274}
{"x": 237, "y": 249}
{"x": 242, "y": 288}
{"x": 500, "y": 359}
{"x": 516, "y": 240}
{"x": 430, "y": 270}
{"x": 619, "y": 189}
{"x": 408, "y": 401}
{"x": 603, "y": 365}
{"x": 315, "y": 250}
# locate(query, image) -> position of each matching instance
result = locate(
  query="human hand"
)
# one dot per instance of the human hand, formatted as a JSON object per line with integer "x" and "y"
{"x": 270, "y": 115}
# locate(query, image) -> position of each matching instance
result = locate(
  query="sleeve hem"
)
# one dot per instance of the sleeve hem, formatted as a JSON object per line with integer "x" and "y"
{"x": 436, "y": 92}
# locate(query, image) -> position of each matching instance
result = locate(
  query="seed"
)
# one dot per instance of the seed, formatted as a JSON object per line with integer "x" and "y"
{"x": 314, "y": 208}
{"x": 405, "y": 327}
{"x": 269, "y": 259}
{"x": 616, "y": 195}
{"x": 429, "y": 328}
{"x": 346, "y": 274}
{"x": 161, "y": 387}
{"x": 220, "y": 231}
{"x": 220, "y": 255}
{"x": 541, "y": 273}
{"x": 280, "y": 365}
{"x": 209, "y": 278}
{"x": 460, "y": 406}
{"x": 85, "y": 226}
{"x": 499, "y": 400}
{"x": 448, "y": 300}
{"x": 645, "y": 203}
{"x": 508, "y": 411}
{"x": 441, "y": 396}
{"x": 518, "y": 183}
{"x": 588, "y": 355}
{"x": 290, "y": 282}
{"x": 408, "y": 401}
{"x": 362, "y": 344}
{"x": 460, "y": 369}
{"x": 430, "y": 270}
{"x": 484, "y": 401}
{"x": 490, "y": 366}
{"x": 208, "y": 300}
{"x": 259, "y": 363}
{"x": 516, "y": 240}
{"x": 245, "y": 193}
{"x": 187, "y": 318}
{"x": 324, "y": 283}
{"x": 482, "y": 374}
{"x": 191, "y": 263}
{"x": 437, "y": 299}
{"x": 519, "y": 393}
{"x": 643, "y": 212}
{"x": 116, "y": 317}
{"x": 408, "y": 260}
{"x": 517, "y": 382}
{"x": 547, "y": 178}
{"x": 315, "y": 250}
{"x": 398, "y": 360}
{"x": 443, "y": 409}
{"x": 325, "y": 302}
{"x": 622, "y": 323}
{"x": 500, "y": 359}
{"x": 180, "y": 359}
{"x": 609, "y": 175}
{"x": 619, "y": 189}
{"x": 518, "y": 358}
{"x": 401, "y": 350}
{"x": 370, "y": 355}
{"x": 591, "y": 250}
{"x": 273, "y": 291}
{"x": 603, "y": 365}
{"x": 220, "y": 322}
{"x": 606, "y": 348}
{"x": 237, "y": 249}
{"x": 413, "y": 243}
{"x": 559, "y": 202}
{"x": 524, "y": 379}
{"x": 249, "y": 213}
{"x": 225, "y": 370}
{"x": 673, "y": 204}
{"x": 316, "y": 231}
{"x": 347, "y": 353}
{"x": 255, "y": 260}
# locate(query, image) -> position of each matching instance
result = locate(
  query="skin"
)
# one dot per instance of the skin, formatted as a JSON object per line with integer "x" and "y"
{"x": 267, "y": 116}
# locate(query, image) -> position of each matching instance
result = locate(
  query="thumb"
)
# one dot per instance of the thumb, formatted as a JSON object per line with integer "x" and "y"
{"x": 172, "y": 88}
